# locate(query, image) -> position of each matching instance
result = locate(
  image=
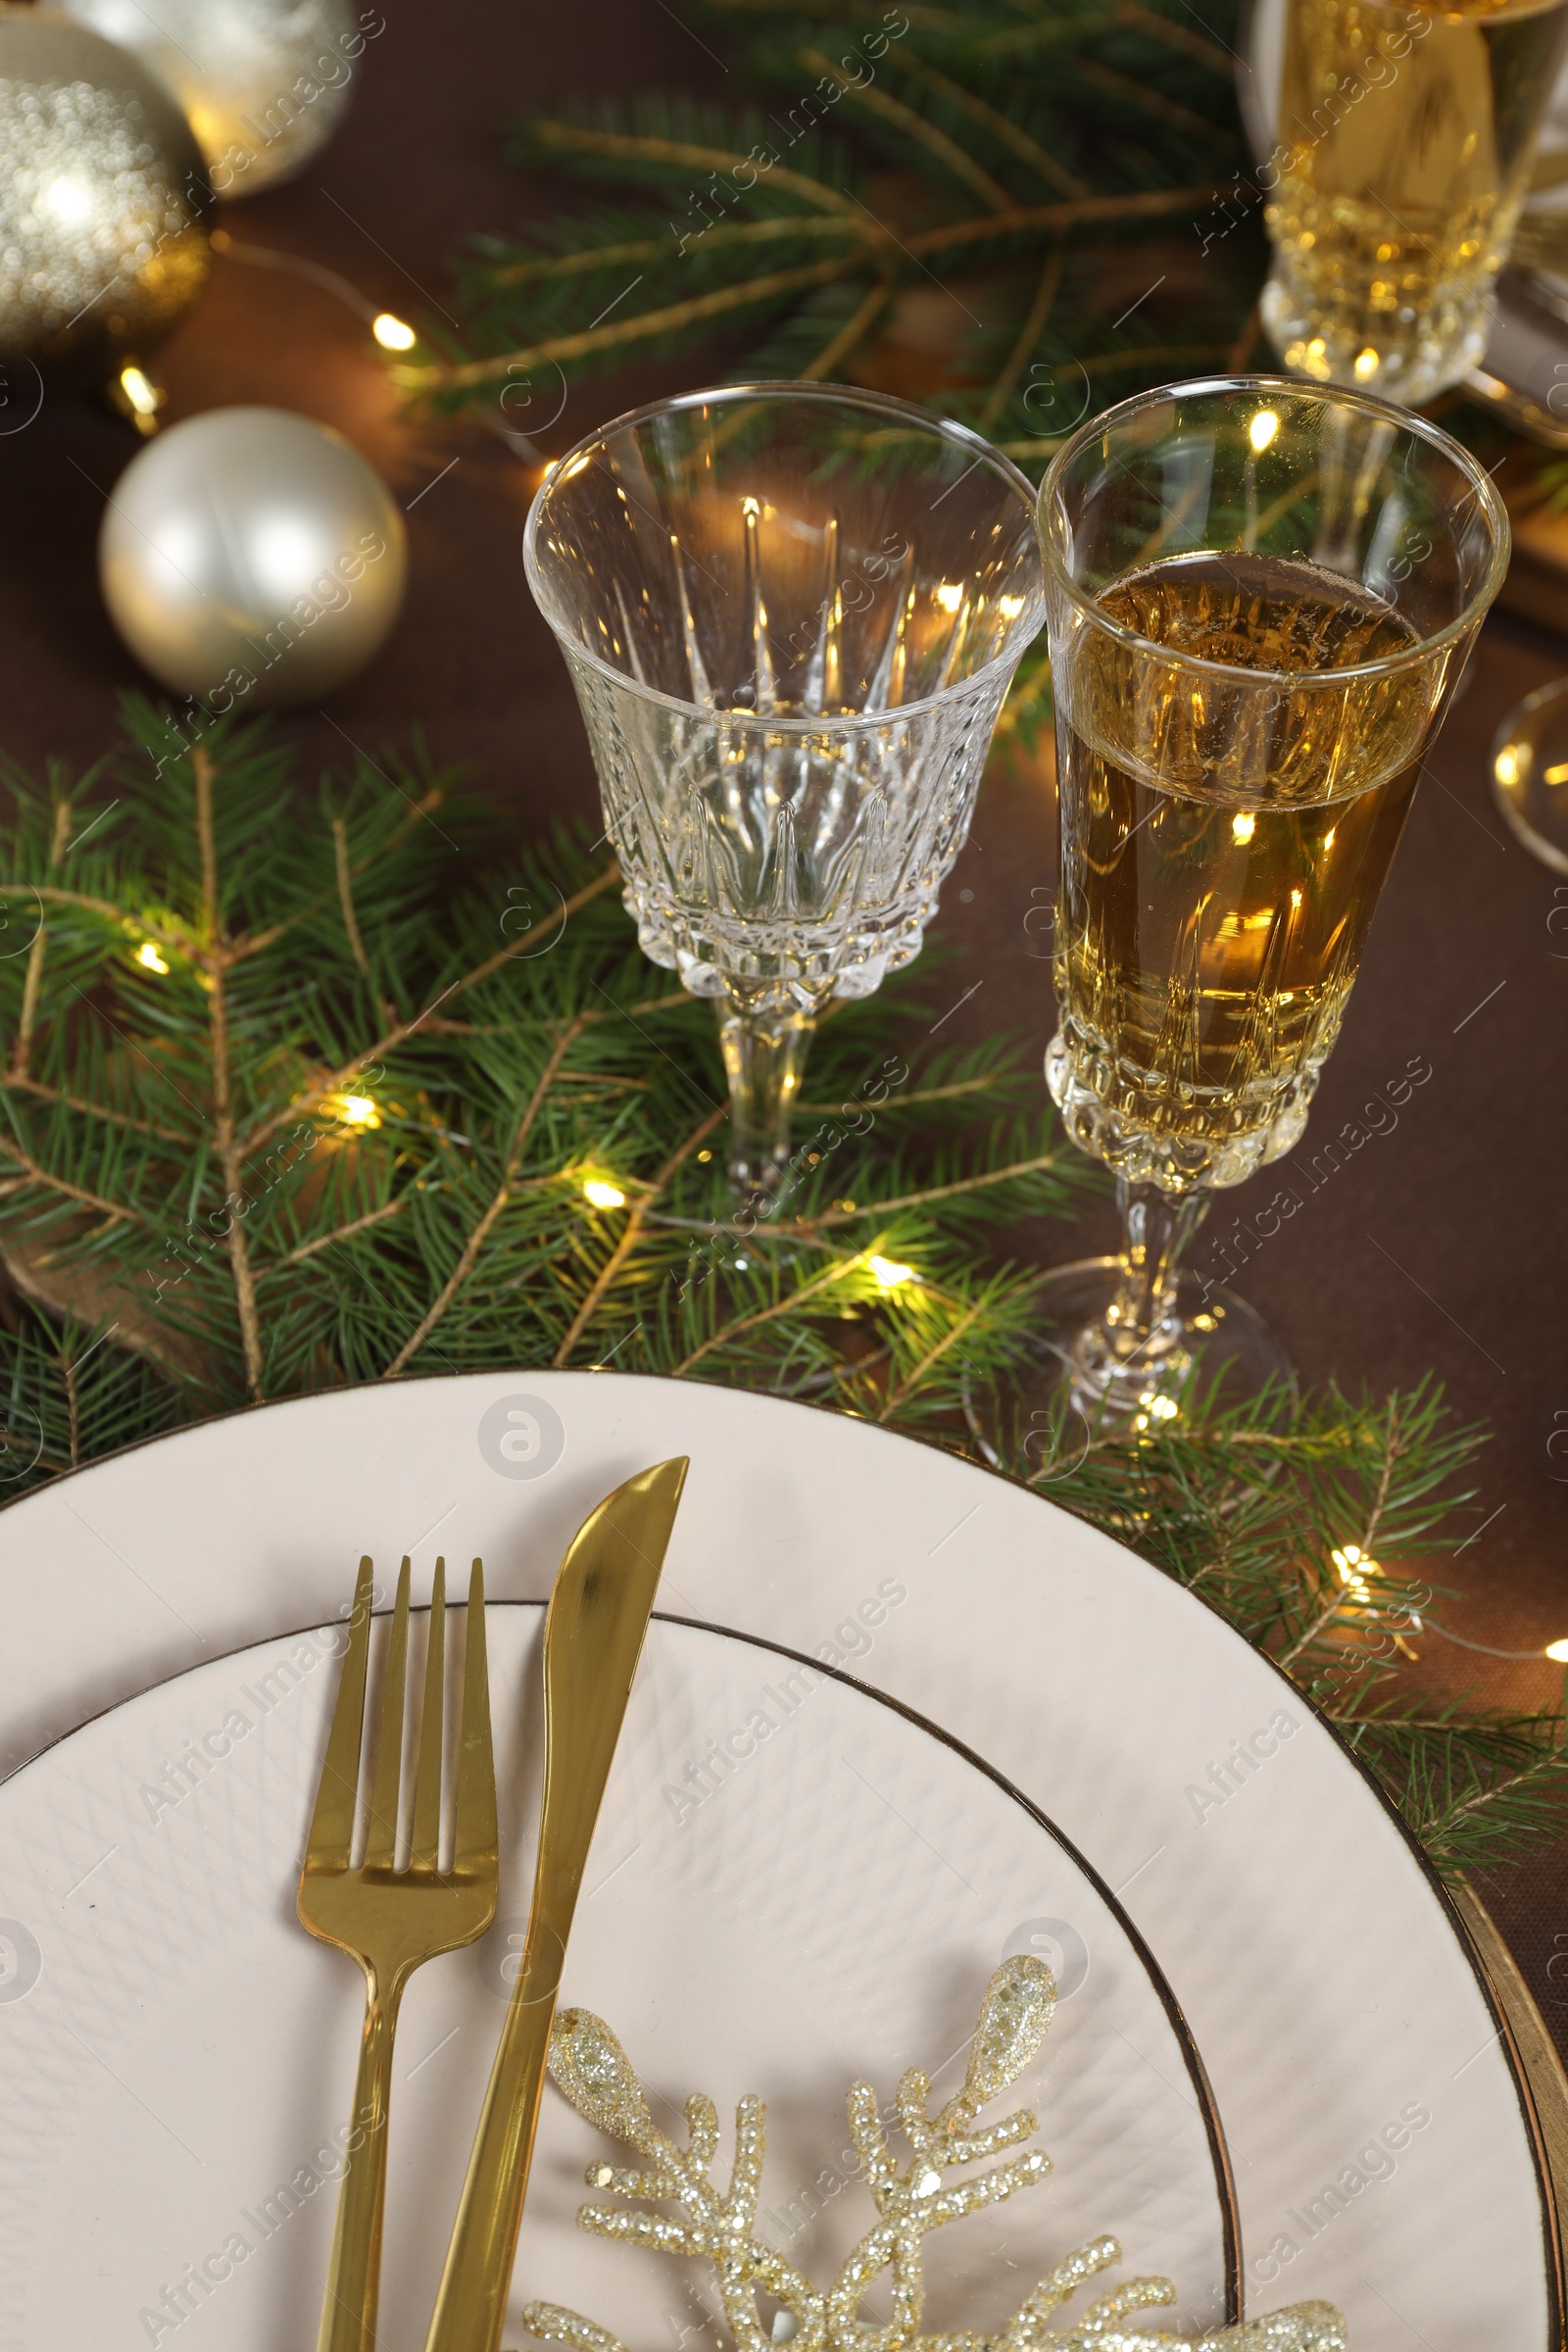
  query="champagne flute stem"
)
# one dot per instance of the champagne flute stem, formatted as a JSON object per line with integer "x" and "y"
{"x": 1157, "y": 1226}
{"x": 764, "y": 1058}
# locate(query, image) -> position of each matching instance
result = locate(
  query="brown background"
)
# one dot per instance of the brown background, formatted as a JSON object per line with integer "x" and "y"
{"x": 1438, "y": 1245}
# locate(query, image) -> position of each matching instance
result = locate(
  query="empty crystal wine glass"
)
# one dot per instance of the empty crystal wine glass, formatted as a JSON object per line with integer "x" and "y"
{"x": 791, "y": 613}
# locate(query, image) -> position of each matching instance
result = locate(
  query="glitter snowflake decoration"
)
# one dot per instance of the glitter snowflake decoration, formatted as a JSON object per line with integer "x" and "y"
{"x": 591, "y": 2069}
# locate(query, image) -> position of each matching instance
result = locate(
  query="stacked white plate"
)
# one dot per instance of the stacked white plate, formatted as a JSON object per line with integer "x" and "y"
{"x": 897, "y": 1719}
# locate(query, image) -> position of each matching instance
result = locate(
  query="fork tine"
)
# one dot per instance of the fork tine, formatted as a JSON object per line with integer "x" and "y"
{"x": 332, "y": 1821}
{"x": 476, "y": 1837}
{"x": 428, "y": 1787}
{"x": 382, "y": 1844}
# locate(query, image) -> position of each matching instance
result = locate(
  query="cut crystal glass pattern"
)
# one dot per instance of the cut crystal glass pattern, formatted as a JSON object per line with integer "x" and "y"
{"x": 791, "y": 614}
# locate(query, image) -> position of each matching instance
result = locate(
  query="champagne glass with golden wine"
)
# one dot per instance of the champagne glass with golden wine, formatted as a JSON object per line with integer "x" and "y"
{"x": 1406, "y": 138}
{"x": 1260, "y": 595}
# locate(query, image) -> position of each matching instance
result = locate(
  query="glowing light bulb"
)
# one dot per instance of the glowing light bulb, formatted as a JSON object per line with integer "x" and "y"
{"x": 1510, "y": 763}
{"x": 148, "y": 957}
{"x": 1354, "y": 1566}
{"x": 393, "y": 333}
{"x": 1366, "y": 364}
{"x": 1242, "y": 826}
{"x": 142, "y": 394}
{"x": 1262, "y": 429}
{"x": 1557, "y": 1651}
{"x": 950, "y": 595}
{"x": 358, "y": 1111}
{"x": 890, "y": 1274}
{"x": 603, "y": 1195}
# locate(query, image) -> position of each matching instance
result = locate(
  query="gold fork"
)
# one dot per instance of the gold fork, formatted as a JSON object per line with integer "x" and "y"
{"x": 392, "y": 1920}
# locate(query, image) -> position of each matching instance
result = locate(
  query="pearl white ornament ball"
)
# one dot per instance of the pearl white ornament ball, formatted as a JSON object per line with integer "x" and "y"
{"x": 250, "y": 557}
{"x": 262, "y": 82}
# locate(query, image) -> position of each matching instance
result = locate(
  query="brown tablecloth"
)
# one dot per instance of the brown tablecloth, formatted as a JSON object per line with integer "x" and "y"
{"x": 1437, "y": 1245}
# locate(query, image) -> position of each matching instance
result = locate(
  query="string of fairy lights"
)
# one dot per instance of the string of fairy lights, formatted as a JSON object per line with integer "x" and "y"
{"x": 599, "y": 1188}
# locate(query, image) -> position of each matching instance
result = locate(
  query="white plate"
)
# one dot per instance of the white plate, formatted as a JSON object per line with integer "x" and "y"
{"x": 829, "y": 1910}
{"x": 1320, "y": 1968}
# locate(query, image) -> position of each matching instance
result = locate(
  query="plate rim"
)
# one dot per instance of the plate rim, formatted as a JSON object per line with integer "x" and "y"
{"x": 1155, "y": 1974}
{"x": 1554, "y": 2247}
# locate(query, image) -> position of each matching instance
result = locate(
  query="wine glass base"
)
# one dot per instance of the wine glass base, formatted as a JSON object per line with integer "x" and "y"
{"x": 1213, "y": 1351}
{"x": 1530, "y": 773}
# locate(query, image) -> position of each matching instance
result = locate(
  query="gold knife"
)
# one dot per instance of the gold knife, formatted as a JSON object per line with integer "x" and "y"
{"x": 598, "y": 1617}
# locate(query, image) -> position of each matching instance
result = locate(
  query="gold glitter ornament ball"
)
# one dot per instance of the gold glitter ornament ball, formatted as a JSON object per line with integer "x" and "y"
{"x": 104, "y": 202}
{"x": 263, "y": 82}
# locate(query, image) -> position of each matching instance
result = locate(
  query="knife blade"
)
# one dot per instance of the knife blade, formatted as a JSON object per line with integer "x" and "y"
{"x": 594, "y": 1630}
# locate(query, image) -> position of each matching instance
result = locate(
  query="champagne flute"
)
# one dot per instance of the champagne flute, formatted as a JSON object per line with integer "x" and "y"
{"x": 1406, "y": 134}
{"x": 1260, "y": 596}
{"x": 791, "y": 613}
{"x": 1529, "y": 772}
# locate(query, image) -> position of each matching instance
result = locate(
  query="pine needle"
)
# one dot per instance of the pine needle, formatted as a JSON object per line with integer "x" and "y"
{"x": 286, "y": 1104}
{"x": 996, "y": 147}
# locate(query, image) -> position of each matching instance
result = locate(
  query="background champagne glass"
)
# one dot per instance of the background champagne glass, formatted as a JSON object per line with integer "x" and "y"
{"x": 1260, "y": 596}
{"x": 791, "y": 613}
{"x": 1529, "y": 772}
{"x": 1405, "y": 137}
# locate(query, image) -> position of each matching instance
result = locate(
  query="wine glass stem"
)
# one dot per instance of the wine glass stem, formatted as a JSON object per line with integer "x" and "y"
{"x": 765, "y": 1057}
{"x": 1142, "y": 1320}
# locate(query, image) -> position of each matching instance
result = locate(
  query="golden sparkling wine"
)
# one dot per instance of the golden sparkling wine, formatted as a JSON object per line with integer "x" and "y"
{"x": 1208, "y": 936}
{"x": 1405, "y": 139}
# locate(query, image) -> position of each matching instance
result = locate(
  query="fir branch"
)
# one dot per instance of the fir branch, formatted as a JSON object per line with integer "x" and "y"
{"x": 644, "y": 327}
{"x": 215, "y": 961}
{"x": 1010, "y": 219}
{"x": 1475, "y": 1787}
{"x": 939, "y": 112}
{"x": 398, "y": 1033}
{"x": 582, "y": 139}
{"x": 786, "y": 227}
{"x": 848, "y": 337}
{"x": 1128, "y": 93}
{"x": 50, "y": 1180}
{"x": 88, "y": 1109}
{"x": 631, "y": 1231}
{"x": 469, "y": 1254}
{"x": 1049, "y": 32}
{"x": 936, "y": 142}
{"x": 925, "y": 1364}
{"x": 1043, "y": 1162}
{"x": 808, "y": 1292}
{"x": 1027, "y": 339}
{"x": 1001, "y": 127}
{"x": 406, "y": 1190}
